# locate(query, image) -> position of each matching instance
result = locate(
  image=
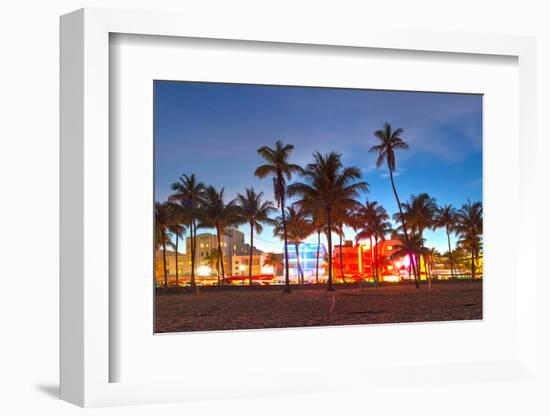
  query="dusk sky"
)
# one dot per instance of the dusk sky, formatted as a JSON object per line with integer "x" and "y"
{"x": 213, "y": 130}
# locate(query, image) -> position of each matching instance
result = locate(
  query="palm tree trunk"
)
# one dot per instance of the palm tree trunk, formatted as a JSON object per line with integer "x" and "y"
{"x": 372, "y": 262}
{"x": 329, "y": 239}
{"x": 287, "y": 280}
{"x": 450, "y": 255}
{"x": 341, "y": 258}
{"x": 376, "y": 279}
{"x": 428, "y": 276}
{"x": 298, "y": 265}
{"x": 431, "y": 265}
{"x": 177, "y": 264}
{"x": 473, "y": 263}
{"x": 251, "y": 250}
{"x": 193, "y": 282}
{"x": 164, "y": 259}
{"x": 404, "y": 229}
{"x": 220, "y": 255}
{"x": 317, "y": 258}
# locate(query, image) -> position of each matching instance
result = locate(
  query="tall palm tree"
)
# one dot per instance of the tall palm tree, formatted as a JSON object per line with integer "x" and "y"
{"x": 255, "y": 212}
{"x": 469, "y": 226}
{"x": 328, "y": 185}
{"x": 446, "y": 218}
{"x": 390, "y": 141}
{"x": 218, "y": 215}
{"x": 278, "y": 166}
{"x": 298, "y": 227}
{"x": 164, "y": 219}
{"x": 188, "y": 192}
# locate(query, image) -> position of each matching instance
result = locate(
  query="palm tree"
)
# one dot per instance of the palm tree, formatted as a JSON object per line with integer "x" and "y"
{"x": 212, "y": 259}
{"x": 446, "y": 218}
{"x": 329, "y": 185}
{"x": 469, "y": 227}
{"x": 344, "y": 216}
{"x": 178, "y": 231}
{"x": 273, "y": 260}
{"x": 218, "y": 215}
{"x": 430, "y": 255}
{"x": 281, "y": 169}
{"x": 364, "y": 217}
{"x": 318, "y": 224}
{"x": 164, "y": 219}
{"x": 188, "y": 192}
{"x": 298, "y": 228}
{"x": 378, "y": 227}
{"x": 420, "y": 213}
{"x": 414, "y": 250}
{"x": 254, "y": 212}
{"x": 390, "y": 141}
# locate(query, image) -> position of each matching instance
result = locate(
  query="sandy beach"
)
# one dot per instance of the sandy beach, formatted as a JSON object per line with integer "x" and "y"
{"x": 252, "y": 309}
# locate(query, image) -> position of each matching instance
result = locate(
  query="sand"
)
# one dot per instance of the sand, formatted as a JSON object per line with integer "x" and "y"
{"x": 252, "y": 309}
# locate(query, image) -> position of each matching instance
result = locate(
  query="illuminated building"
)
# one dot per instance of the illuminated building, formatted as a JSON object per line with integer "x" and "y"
{"x": 232, "y": 245}
{"x": 392, "y": 269}
{"x": 170, "y": 264}
{"x": 355, "y": 259}
{"x": 308, "y": 261}
{"x": 239, "y": 265}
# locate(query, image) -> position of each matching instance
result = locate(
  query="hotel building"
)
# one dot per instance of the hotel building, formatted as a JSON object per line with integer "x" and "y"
{"x": 207, "y": 243}
{"x": 358, "y": 261}
{"x": 240, "y": 265}
{"x": 355, "y": 259}
{"x": 308, "y": 260}
{"x": 232, "y": 245}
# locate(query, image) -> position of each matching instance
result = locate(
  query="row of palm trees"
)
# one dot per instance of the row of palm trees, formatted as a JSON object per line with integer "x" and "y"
{"x": 325, "y": 199}
{"x": 370, "y": 221}
{"x": 194, "y": 205}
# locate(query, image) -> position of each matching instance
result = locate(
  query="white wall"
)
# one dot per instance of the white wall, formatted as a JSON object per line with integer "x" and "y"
{"x": 29, "y": 180}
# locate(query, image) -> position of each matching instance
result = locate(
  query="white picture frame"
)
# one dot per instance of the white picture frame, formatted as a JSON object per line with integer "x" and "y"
{"x": 85, "y": 211}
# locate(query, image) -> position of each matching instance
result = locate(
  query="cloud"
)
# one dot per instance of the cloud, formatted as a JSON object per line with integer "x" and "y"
{"x": 396, "y": 172}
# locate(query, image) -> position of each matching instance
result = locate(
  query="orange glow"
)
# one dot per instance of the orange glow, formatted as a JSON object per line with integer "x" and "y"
{"x": 365, "y": 245}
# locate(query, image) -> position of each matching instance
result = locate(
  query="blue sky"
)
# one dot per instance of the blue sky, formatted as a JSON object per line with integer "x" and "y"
{"x": 213, "y": 130}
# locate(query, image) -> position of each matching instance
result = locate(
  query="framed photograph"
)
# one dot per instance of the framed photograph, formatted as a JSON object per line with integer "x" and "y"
{"x": 255, "y": 213}
{"x": 325, "y": 227}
